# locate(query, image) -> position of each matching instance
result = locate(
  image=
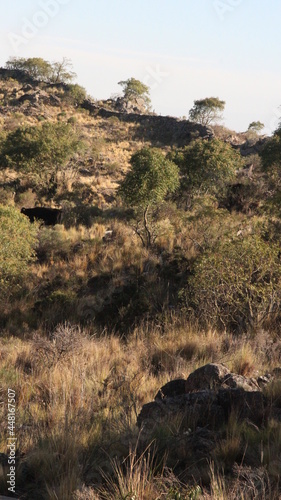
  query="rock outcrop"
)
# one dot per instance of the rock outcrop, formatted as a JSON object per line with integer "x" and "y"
{"x": 165, "y": 129}
{"x": 251, "y": 146}
{"x": 39, "y": 96}
{"x": 215, "y": 388}
{"x": 201, "y": 406}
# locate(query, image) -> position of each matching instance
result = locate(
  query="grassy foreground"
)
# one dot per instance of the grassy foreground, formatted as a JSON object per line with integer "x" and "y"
{"x": 78, "y": 395}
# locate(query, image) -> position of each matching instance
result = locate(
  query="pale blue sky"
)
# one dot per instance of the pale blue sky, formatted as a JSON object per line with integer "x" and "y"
{"x": 183, "y": 49}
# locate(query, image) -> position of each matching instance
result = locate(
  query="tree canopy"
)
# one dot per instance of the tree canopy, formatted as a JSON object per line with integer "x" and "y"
{"x": 271, "y": 153}
{"x": 35, "y": 148}
{"x": 206, "y": 166}
{"x": 40, "y": 69}
{"x": 41, "y": 151}
{"x": 256, "y": 126}
{"x": 208, "y": 110}
{"x": 151, "y": 178}
{"x": 134, "y": 89}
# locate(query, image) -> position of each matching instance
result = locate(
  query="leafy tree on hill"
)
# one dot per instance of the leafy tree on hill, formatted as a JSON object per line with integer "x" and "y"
{"x": 271, "y": 153}
{"x": 36, "y": 67}
{"x": 271, "y": 165}
{"x": 134, "y": 89}
{"x": 208, "y": 110}
{"x": 256, "y": 126}
{"x": 18, "y": 239}
{"x": 62, "y": 71}
{"x": 40, "y": 69}
{"x": 151, "y": 178}
{"x": 42, "y": 151}
{"x": 206, "y": 167}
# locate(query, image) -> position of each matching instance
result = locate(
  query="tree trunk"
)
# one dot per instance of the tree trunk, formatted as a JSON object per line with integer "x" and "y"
{"x": 147, "y": 231}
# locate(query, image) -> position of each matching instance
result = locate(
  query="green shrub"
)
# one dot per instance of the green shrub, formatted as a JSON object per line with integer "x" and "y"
{"x": 237, "y": 284}
{"x": 75, "y": 94}
{"x": 18, "y": 239}
{"x": 206, "y": 166}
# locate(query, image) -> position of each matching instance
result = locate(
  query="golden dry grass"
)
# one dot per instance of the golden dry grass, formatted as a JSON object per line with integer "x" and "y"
{"x": 77, "y": 393}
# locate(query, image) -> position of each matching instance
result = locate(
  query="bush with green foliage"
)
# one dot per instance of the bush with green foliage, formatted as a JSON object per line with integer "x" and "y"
{"x": 42, "y": 150}
{"x": 36, "y": 67}
{"x": 271, "y": 163}
{"x": 237, "y": 283}
{"x": 74, "y": 94}
{"x": 271, "y": 153}
{"x": 206, "y": 166}
{"x": 18, "y": 239}
{"x": 151, "y": 178}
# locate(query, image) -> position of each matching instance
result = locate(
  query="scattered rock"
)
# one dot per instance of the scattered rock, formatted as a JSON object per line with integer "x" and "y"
{"x": 189, "y": 419}
{"x": 39, "y": 96}
{"x": 207, "y": 398}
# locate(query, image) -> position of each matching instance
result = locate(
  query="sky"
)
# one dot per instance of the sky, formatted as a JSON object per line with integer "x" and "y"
{"x": 183, "y": 50}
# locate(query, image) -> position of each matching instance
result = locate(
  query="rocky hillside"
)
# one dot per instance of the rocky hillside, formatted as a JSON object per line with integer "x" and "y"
{"x": 140, "y": 310}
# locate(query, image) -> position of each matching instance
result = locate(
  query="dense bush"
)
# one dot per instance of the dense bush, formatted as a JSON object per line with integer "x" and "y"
{"x": 35, "y": 148}
{"x": 74, "y": 94}
{"x": 271, "y": 153}
{"x": 206, "y": 166}
{"x": 42, "y": 151}
{"x": 18, "y": 239}
{"x": 237, "y": 284}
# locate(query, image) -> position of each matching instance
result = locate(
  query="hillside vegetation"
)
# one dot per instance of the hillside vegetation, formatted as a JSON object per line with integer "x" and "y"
{"x": 167, "y": 258}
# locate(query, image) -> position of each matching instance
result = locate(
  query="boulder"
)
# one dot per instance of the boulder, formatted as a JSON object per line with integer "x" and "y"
{"x": 213, "y": 376}
{"x": 209, "y": 376}
{"x": 207, "y": 399}
{"x": 171, "y": 389}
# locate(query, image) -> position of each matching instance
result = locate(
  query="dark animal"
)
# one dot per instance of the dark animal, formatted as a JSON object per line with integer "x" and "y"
{"x": 50, "y": 216}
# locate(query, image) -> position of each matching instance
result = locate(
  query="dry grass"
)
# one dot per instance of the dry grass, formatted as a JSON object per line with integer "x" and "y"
{"x": 77, "y": 401}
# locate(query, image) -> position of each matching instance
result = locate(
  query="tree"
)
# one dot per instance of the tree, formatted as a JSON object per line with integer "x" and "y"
{"x": 134, "y": 89}
{"x": 208, "y": 110}
{"x": 62, "y": 71}
{"x": 271, "y": 165}
{"x": 42, "y": 150}
{"x": 18, "y": 239}
{"x": 206, "y": 166}
{"x": 237, "y": 284}
{"x": 151, "y": 178}
{"x": 256, "y": 126}
{"x": 40, "y": 69}
{"x": 36, "y": 67}
{"x": 271, "y": 153}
